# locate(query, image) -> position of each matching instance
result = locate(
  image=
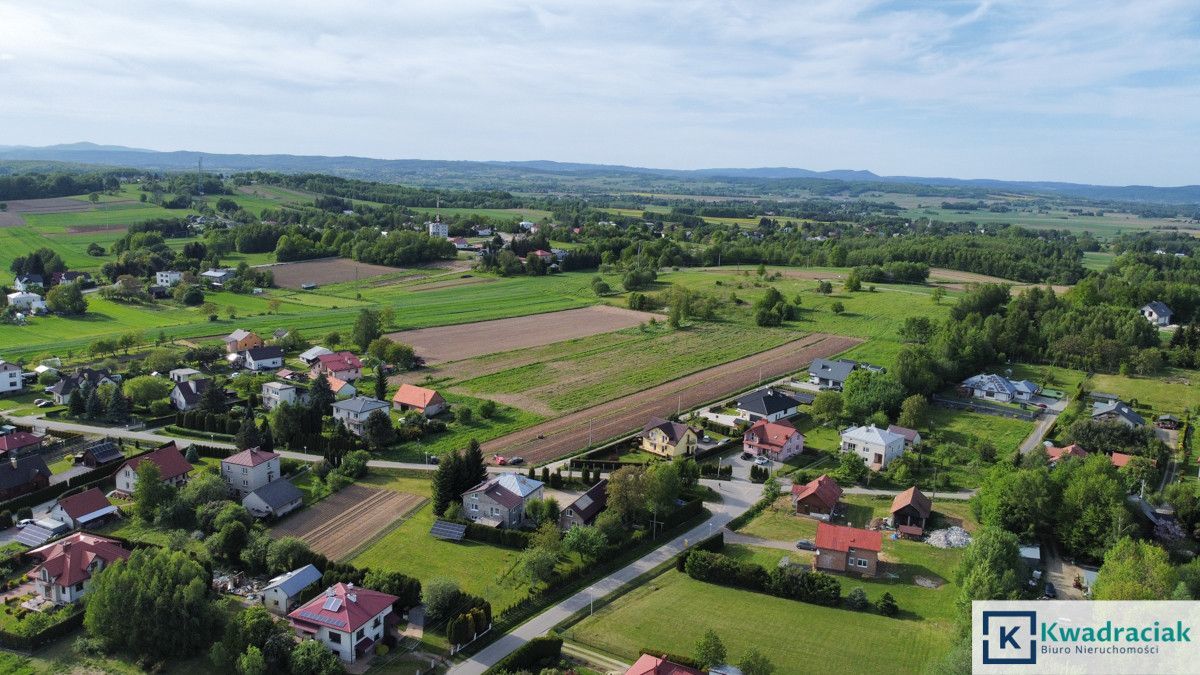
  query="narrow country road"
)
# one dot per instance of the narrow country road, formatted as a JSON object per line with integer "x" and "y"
{"x": 738, "y": 497}
{"x": 113, "y": 432}
{"x": 1038, "y": 434}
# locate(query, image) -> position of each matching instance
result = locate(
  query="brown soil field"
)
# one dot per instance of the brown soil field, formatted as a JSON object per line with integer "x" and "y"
{"x": 459, "y": 281}
{"x": 452, "y": 343}
{"x": 341, "y": 523}
{"x": 325, "y": 271}
{"x": 563, "y": 436}
{"x": 10, "y": 219}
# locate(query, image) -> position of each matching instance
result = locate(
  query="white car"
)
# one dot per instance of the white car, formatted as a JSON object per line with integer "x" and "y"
{"x": 762, "y": 460}
{"x": 24, "y": 521}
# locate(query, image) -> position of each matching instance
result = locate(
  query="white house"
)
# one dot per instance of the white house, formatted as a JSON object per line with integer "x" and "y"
{"x": 877, "y": 447}
{"x": 187, "y": 394}
{"x": 500, "y": 500}
{"x": 276, "y": 498}
{"x": 274, "y": 393}
{"x": 993, "y": 387}
{"x": 89, "y": 507}
{"x": 11, "y": 377}
{"x": 310, "y": 355}
{"x": 281, "y": 593}
{"x": 217, "y": 277}
{"x": 29, "y": 302}
{"x": 263, "y": 358}
{"x": 183, "y": 374}
{"x": 173, "y": 469}
{"x": 29, "y": 283}
{"x": 1157, "y": 313}
{"x": 346, "y": 619}
{"x": 168, "y": 277}
{"x": 249, "y": 470}
{"x": 354, "y": 412}
{"x": 437, "y": 229}
{"x": 67, "y": 565}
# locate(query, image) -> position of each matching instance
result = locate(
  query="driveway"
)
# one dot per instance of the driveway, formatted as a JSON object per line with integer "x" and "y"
{"x": 1035, "y": 438}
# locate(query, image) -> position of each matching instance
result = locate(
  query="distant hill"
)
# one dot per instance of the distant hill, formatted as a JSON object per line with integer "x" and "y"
{"x": 542, "y": 175}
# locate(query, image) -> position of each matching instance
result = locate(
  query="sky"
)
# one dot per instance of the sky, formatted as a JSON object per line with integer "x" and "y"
{"x": 1076, "y": 90}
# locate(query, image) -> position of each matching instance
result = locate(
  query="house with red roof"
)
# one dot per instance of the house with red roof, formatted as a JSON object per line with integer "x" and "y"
{"x": 425, "y": 401}
{"x": 779, "y": 441}
{"x": 1120, "y": 459}
{"x": 20, "y": 443}
{"x": 817, "y": 498}
{"x": 249, "y": 470}
{"x": 87, "y": 508}
{"x": 67, "y": 565}
{"x": 343, "y": 365}
{"x": 346, "y": 619}
{"x": 545, "y": 256}
{"x": 172, "y": 468}
{"x": 848, "y": 549}
{"x": 910, "y": 511}
{"x": 649, "y": 664}
{"x": 1056, "y": 453}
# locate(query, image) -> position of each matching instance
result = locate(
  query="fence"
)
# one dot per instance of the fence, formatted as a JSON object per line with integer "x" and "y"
{"x": 975, "y": 405}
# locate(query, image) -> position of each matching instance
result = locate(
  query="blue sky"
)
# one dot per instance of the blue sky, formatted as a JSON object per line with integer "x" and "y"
{"x": 1085, "y": 91}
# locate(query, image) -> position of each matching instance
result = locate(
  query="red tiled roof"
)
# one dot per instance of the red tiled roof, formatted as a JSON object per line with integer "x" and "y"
{"x": 417, "y": 397}
{"x": 336, "y": 384}
{"x": 1120, "y": 459}
{"x": 909, "y": 435}
{"x": 88, "y": 501}
{"x": 843, "y": 538}
{"x": 652, "y": 665}
{"x": 825, "y": 489}
{"x": 356, "y": 607}
{"x": 339, "y": 361}
{"x": 17, "y": 440}
{"x": 772, "y": 434}
{"x": 67, "y": 560}
{"x": 250, "y": 457}
{"x": 913, "y": 497}
{"x": 1072, "y": 450}
{"x": 168, "y": 458}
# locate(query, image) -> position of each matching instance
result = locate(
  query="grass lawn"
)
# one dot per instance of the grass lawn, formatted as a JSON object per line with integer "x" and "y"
{"x": 1170, "y": 392}
{"x": 480, "y": 569}
{"x": 1050, "y": 377}
{"x": 134, "y": 530}
{"x": 506, "y": 419}
{"x": 958, "y": 426}
{"x": 670, "y": 612}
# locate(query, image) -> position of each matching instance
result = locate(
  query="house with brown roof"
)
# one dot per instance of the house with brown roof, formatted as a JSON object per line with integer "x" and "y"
{"x": 89, "y": 508}
{"x": 779, "y": 441}
{"x": 342, "y": 365}
{"x": 20, "y": 443}
{"x": 911, "y": 436}
{"x": 668, "y": 439}
{"x": 172, "y": 468}
{"x": 341, "y": 389}
{"x": 347, "y": 619}
{"x": 22, "y": 475}
{"x": 584, "y": 510}
{"x": 425, "y": 401}
{"x": 818, "y": 497}
{"x": 249, "y": 470}
{"x": 67, "y": 565}
{"x": 910, "y": 512}
{"x": 240, "y": 340}
{"x": 500, "y": 500}
{"x": 848, "y": 549}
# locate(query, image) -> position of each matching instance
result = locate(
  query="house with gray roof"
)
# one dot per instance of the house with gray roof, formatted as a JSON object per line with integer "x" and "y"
{"x": 992, "y": 387}
{"x": 1117, "y": 411}
{"x": 830, "y": 372}
{"x": 500, "y": 500}
{"x": 877, "y": 447}
{"x": 353, "y": 412}
{"x": 1157, "y": 313}
{"x": 768, "y": 404}
{"x": 584, "y": 510}
{"x": 284, "y": 591}
{"x": 275, "y": 499}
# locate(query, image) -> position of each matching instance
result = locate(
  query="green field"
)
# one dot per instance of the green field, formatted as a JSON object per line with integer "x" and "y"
{"x": 458, "y": 434}
{"x": 1108, "y": 225}
{"x": 1172, "y": 392}
{"x": 958, "y": 426}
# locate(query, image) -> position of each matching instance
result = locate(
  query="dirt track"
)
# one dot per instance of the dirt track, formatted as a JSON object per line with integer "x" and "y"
{"x": 453, "y": 343}
{"x": 565, "y": 435}
{"x": 340, "y": 523}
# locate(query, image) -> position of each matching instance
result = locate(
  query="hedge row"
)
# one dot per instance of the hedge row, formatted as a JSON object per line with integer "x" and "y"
{"x": 817, "y": 588}
{"x": 724, "y": 471}
{"x": 213, "y": 423}
{"x": 748, "y": 515}
{"x": 28, "y": 643}
{"x": 533, "y": 656}
{"x": 500, "y": 537}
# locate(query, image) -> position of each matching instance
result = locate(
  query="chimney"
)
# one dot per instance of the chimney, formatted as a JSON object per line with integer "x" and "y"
{"x": 12, "y": 459}
{"x": 352, "y": 597}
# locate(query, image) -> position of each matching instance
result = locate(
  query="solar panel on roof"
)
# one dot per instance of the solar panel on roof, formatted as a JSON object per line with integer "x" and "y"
{"x": 332, "y": 604}
{"x": 320, "y": 618}
{"x": 448, "y": 531}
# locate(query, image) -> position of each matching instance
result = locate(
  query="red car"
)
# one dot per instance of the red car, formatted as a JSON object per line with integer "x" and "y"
{"x": 499, "y": 460}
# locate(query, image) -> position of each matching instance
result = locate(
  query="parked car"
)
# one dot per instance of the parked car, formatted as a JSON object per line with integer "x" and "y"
{"x": 805, "y": 545}
{"x": 762, "y": 460}
{"x": 747, "y": 456}
{"x": 39, "y": 401}
{"x": 45, "y": 404}
{"x": 1050, "y": 592}
{"x": 499, "y": 460}
{"x": 515, "y": 460}
{"x": 24, "y": 521}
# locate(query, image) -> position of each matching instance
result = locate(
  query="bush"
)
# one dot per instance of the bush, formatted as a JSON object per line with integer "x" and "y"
{"x": 887, "y": 605}
{"x": 538, "y": 653}
{"x": 856, "y": 600}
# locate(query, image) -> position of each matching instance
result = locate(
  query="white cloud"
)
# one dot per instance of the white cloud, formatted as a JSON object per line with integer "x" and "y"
{"x": 951, "y": 87}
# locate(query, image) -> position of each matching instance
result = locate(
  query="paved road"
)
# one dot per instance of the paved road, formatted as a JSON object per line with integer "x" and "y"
{"x": 738, "y": 497}
{"x": 1038, "y": 434}
{"x": 114, "y": 432}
